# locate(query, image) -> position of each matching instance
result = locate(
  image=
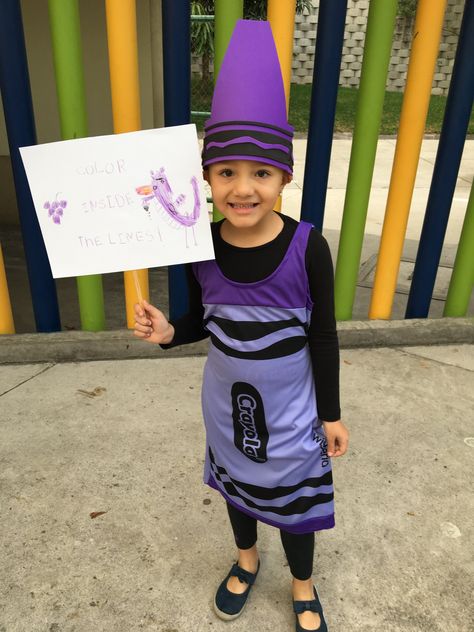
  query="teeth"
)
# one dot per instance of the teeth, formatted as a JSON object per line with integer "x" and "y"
{"x": 243, "y": 205}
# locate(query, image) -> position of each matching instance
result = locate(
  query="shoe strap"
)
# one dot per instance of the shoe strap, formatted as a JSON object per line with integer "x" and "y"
{"x": 242, "y": 575}
{"x": 313, "y": 605}
{"x": 302, "y": 606}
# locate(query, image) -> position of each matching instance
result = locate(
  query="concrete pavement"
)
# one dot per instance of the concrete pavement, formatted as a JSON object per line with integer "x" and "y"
{"x": 126, "y": 438}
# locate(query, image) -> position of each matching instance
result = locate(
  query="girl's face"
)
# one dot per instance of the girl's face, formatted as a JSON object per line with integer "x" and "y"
{"x": 245, "y": 191}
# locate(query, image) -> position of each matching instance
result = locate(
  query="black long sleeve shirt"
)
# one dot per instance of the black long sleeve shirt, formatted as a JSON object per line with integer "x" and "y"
{"x": 248, "y": 265}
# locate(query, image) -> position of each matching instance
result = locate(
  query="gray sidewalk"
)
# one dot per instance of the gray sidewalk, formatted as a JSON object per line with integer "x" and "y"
{"x": 126, "y": 438}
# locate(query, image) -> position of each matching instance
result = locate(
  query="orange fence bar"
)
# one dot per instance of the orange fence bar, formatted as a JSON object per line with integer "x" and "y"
{"x": 124, "y": 84}
{"x": 424, "y": 51}
{"x": 281, "y": 15}
{"x": 6, "y": 316}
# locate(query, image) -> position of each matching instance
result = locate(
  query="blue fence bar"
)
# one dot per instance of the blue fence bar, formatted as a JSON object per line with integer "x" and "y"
{"x": 19, "y": 119}
{"x": 448, "y": 159}
{"x": 329, "y": 40}
{"x": 177, "y": 96}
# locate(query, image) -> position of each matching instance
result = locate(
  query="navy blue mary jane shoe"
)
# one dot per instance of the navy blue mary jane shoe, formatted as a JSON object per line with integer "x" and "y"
{"x": 229, "y": 605}
{"x": 315, "y": 606}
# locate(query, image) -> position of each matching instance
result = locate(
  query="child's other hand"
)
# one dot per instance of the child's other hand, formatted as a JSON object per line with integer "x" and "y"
{"x": 152, "y": 325}
{"x": 337, "y": 437}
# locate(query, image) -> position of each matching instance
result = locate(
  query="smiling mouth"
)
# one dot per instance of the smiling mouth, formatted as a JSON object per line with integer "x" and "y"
{"x": 246, "y": 205}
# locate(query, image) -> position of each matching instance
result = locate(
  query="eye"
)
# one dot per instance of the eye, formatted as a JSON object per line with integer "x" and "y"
{"x": 263, "y": 173}
{"x": 226, "y": 173}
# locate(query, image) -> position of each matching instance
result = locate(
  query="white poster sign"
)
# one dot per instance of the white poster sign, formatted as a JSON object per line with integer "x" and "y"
{"x": 120, "y": 202}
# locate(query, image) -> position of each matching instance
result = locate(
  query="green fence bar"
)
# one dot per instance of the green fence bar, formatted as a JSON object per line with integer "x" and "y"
{"x": 226, "y": 14}
{"x": 67, "y": 52}
{"x": 462, "y": 278}
{"x": 378, "y": 43}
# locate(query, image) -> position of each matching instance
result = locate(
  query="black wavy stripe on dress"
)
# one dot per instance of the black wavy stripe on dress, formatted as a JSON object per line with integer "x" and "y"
{"x": 270, "y": 493}
{"x": 279, "y": 349}
{"x": 298, "y": 506}
{"x": 245, "y": 330}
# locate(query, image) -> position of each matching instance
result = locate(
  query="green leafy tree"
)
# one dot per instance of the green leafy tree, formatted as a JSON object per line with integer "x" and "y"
{"x": 257, "y": 9}
{"x": 407, "y": 8}
{"x": 202, "y": 35}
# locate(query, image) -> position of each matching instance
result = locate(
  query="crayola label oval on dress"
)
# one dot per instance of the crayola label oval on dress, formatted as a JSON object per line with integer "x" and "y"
{"x": 250, "y": 429}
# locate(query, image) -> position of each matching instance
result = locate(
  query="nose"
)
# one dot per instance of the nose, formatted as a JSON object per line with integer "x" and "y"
{"x": 243, "y": 186}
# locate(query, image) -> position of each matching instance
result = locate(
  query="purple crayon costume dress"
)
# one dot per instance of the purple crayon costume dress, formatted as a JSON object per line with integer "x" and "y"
{"x": 265, "y": 448}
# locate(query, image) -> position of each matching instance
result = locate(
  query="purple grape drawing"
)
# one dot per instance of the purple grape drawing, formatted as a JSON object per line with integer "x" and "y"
{"x": 55, "y": 209}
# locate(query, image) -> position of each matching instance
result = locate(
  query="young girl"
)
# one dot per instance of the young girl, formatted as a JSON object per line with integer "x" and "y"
{"x": 271, "y": 382}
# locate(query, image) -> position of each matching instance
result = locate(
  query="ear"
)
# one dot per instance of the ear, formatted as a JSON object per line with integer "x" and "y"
{"x": 205, "y": 175}
{"x": 286, "y": 178}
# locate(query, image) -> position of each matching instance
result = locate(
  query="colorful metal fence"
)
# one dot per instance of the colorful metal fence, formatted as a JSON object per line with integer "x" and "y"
{"x": 123, "y": 64}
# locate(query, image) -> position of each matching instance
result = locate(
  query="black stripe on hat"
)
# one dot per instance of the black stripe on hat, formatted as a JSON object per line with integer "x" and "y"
{"x": 249, "y": 124}
{"x": 248, "y": 150}
{"x": 264, "y": 137}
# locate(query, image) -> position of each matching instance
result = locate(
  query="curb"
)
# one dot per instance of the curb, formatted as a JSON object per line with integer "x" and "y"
{"x": 85, "y": 346}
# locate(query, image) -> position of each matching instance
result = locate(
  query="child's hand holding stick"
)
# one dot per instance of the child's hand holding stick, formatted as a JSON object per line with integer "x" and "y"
{"x": 151, "y": 324}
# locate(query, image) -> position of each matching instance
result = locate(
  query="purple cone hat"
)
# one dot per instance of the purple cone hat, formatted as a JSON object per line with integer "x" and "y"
{"x": 248, "y": 114}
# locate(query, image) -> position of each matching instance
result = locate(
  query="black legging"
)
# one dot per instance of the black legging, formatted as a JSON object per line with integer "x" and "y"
{"x": 299, "y": 548}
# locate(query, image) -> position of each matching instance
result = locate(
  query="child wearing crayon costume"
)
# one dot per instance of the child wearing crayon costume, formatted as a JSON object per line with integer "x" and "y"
{"x": 270, "y": 393}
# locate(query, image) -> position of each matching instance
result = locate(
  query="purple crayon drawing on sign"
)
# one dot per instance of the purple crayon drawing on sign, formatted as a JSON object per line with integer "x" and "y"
{"x": 55, "y": 209}
{"x": 160, "y": 191}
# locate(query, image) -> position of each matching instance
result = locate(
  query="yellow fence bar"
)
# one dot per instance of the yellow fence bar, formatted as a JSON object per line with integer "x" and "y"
{"x": 424, "y": 51}
{"x": 125, "y": 89}
{"x": 281, "y": 15}
{"x": 6, "y": 316}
